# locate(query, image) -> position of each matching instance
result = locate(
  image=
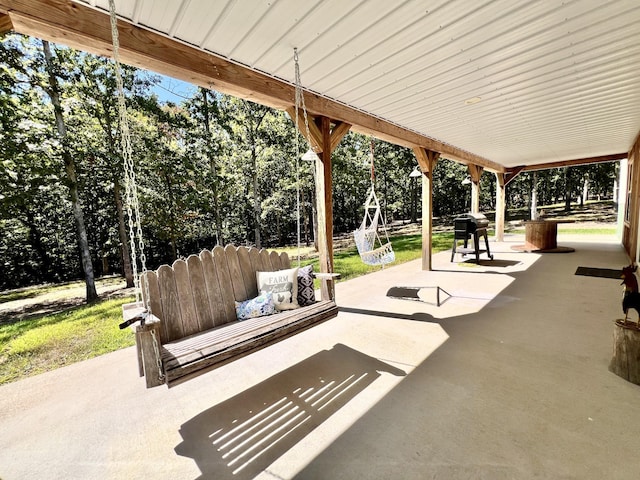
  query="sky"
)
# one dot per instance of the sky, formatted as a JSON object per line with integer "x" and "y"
{"x": 172, "y": 90}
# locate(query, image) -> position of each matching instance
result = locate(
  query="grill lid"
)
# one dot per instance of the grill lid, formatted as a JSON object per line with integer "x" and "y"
{"x": 477, "y": 219}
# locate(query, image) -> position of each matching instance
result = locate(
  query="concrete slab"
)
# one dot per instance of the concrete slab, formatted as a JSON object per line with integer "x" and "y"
{"x": 507, "y": 378}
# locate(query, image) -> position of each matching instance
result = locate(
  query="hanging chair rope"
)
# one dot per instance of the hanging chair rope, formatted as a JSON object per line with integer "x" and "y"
{"x": 372, "y": 250}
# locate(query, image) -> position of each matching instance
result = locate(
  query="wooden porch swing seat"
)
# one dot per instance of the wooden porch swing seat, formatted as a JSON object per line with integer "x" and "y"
{"x": 193, "y": 326}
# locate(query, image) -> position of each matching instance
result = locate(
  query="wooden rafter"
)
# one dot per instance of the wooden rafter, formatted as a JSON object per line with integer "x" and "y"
{"x": 5, "y": 24}
{"x": 510, "y": 175}
{"x": 427, "y": 159}
{"x": 339, "y": 130}
{"x": 316, "y": 135}
{"x": 475, "y": 172}
{"x": 88, "y": 29}
{"x": 572, "y": 163}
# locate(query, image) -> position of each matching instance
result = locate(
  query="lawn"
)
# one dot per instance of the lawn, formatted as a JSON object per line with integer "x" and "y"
{"x": 49, "y": 341}
{"x": 406, "y": 248}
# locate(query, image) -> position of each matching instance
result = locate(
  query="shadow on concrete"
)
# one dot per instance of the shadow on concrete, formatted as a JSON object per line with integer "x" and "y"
{"x": 418, "y": 316}
{"x": 240, "y": 437}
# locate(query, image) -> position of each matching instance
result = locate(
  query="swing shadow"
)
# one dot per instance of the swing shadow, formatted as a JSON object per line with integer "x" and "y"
{"x": 240, "y": 437}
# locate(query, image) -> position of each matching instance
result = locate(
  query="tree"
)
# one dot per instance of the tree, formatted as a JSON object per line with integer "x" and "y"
{"x": 54, "y": 91}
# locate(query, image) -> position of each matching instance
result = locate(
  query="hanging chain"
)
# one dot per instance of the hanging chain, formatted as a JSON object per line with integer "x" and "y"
{"x": 156, "y": 351}
{"x": 297, "y": 107}
{"x": 131, "y": 190}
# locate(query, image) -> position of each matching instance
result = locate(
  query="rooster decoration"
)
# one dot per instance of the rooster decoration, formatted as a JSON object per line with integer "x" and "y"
{"x": 630, "y": 297}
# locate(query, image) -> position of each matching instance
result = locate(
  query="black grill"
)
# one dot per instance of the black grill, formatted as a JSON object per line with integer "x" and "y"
{"x": 467, "y": 226}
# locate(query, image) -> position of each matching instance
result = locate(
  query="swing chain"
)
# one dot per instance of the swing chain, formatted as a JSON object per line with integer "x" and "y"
{"x": 156, "y": 351}
{"x": 131, "y": 190}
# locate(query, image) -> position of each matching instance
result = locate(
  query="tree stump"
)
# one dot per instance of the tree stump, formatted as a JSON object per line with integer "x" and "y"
{"x": 626, "y": 351}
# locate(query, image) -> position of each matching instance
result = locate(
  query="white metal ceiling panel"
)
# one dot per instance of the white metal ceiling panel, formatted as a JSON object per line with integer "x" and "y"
{"x": 556, "y": 80}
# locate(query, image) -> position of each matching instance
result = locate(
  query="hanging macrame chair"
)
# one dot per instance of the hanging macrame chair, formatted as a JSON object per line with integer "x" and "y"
{"x": 371, "y": 247}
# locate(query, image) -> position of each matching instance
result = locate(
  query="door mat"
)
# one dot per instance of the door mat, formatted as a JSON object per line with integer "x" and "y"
{"x": 599, "y": 272}
{"x": 490, "y": 263}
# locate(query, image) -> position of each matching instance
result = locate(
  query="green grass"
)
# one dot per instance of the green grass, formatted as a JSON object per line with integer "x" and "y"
{"x": 406, "y": 248}
{"x": 45, "y": 343}
{"x": 577, "y": 231}
{"x": 31, "y": 292}
{"x": 50, "y": 341}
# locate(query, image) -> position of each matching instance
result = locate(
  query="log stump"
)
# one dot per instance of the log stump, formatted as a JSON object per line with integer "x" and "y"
{"x": 626, "y": 351}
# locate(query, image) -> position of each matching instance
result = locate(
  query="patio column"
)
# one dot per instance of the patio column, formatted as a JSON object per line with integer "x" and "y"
{"x": 502, "y": 180}
{"x": 500, "y": 207}
{"x": 324, "y": 136}
{"x": 475, "y": 172}
{"x": 427, "y": 160}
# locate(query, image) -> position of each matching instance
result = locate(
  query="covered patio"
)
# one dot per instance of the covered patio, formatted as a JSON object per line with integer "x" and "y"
{"x": 506, "y": 379}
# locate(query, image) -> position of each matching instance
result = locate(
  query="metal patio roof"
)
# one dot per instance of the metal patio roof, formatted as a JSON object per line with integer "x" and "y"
{"x": 514, "y": 81}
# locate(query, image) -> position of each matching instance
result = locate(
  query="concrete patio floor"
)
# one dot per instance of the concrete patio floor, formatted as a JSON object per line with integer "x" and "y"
{"x": 506, "y": 379}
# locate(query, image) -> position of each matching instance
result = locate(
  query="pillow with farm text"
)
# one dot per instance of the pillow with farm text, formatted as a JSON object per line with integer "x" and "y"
{"x": 283, "y": 284}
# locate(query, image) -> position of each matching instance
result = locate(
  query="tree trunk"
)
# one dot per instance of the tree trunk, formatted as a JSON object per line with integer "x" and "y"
{"x": 127, "y": 269}
{"x": 71, "y": 178}
{"x": 567, "y": 190}
{"x": 212, "y": 166}
{"x": 534, "y": 198}
{"x": 256, "y": 193}
{"x": 585, "y": 191}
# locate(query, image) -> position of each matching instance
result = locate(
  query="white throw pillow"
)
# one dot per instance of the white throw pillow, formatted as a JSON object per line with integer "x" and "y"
{"x": 283, "y": 284}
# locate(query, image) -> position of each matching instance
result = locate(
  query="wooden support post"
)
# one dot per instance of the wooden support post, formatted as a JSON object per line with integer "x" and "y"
{"x": 475, "y": 172}
{"x": 329, "y": 140}
{"x": 147, "y": 346}
{"x": 500, "y": 207}
{"x": 427, "y": 160}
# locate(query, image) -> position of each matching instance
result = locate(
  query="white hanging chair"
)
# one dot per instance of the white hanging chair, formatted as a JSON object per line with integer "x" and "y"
{"x": 371, "y": 248}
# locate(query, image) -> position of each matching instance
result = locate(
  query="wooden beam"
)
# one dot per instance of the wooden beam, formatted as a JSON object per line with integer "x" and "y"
{"x": 338, "y": 132}
{"x": 324, "y": 201}
{"x": 316, "y": 136}
{"x": 427, "y": 161}
{"x": 511, "y": 174}
{"x": 5, "y": 24}
{"x": 88, "y": 29}
{"x": 475, "y": 172}
{"x": 500, "y": 206}
{"x": 572, "y": 163}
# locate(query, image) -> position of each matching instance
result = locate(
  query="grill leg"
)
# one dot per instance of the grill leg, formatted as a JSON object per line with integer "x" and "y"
{"x": 476, "y": 246}
{"x": 486, "y": 242}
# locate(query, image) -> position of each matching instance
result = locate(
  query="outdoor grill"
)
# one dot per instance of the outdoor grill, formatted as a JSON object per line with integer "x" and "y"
{"x": 467, "y": 226}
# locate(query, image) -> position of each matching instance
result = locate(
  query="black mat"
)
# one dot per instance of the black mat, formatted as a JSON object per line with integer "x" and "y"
{"x": 492, "y": 263}
{"x": 599, "y": 272}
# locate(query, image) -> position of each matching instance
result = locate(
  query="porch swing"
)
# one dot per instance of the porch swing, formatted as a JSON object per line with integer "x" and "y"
{"x": 186, "y": 315}
{"x": 372, "y": 250}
